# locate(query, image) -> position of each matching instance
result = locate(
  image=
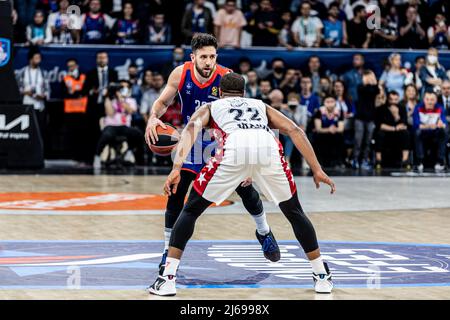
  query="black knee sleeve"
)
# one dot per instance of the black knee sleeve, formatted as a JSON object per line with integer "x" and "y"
{"x": 184, "y": 225}
{"x": 250, "y": 199}
{"x": 302, "y": 226}
{"x": 175, "y": 202}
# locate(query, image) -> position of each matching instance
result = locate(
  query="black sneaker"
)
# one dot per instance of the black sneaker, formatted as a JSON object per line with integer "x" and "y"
{"x": 269, "y": 246}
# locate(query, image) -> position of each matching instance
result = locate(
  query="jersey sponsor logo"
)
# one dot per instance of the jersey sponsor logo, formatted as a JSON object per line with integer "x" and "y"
{"x": 214, "y": 91}
{"x": 221, "y": 264}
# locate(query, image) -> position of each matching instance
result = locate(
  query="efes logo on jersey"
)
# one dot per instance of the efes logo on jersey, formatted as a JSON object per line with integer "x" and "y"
{"x": 5, "y": 51}
{"x": 214, "y": 91}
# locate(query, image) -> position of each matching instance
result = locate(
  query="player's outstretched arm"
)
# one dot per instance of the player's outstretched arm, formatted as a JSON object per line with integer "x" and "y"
{"x": 198, "y": 121}
{"x": 161, "y": 104}
{"x": 279, "y": 121}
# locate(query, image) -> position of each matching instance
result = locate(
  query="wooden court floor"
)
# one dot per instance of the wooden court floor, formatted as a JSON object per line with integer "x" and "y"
{"x": 431, "y": 226}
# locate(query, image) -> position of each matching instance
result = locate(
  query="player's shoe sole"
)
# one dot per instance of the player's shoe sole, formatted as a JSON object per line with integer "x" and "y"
{"x": 269, "y": 246}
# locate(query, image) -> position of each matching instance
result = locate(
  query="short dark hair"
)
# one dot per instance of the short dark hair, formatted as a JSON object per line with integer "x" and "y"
{"x": 100, "y": 52}
{"x": 393, "y": 93}
{"x": 232, "y": 83}
{"x": 71, "y": 59}
{"x": 357, "y": 9}
{"x": 328, "y": 96}
{"x": 430, "y": 91}
{"x": 200, "y": 40}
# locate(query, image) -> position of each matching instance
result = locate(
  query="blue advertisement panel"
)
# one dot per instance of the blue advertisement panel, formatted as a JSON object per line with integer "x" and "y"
{"x": 336, "y": 61}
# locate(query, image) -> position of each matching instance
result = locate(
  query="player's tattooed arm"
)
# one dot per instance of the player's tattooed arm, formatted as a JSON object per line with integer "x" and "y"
{"x": 199, "y": 120}
{"x": 279, "y": 121}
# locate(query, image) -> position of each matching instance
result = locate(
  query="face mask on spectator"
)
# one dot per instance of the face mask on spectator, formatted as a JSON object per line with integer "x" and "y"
{"x": 432, "y": 59}
{"x": 178, "y": 56}
{"x": 124, "y": 91}
{"x": 278, "y": 69}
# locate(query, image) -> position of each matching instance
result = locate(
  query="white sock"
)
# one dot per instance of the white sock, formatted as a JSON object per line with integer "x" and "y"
{"x": 171, "y": 266}
{"x": 318, "y": 266}
{"x": 167, "y": 233}
{"x": 261, "y": 223}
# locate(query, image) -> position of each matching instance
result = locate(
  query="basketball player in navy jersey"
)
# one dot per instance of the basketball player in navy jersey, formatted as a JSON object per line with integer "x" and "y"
{"x": 197, "y": 82}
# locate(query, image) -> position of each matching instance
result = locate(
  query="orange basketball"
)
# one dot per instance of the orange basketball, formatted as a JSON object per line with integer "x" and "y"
{"x": 167, "y": 140}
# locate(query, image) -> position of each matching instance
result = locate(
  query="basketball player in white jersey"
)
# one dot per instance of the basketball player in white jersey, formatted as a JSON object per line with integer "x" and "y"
{"x": 247, "y": 148}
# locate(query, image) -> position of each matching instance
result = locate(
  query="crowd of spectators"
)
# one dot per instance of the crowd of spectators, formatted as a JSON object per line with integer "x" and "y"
{"x": 238, "y": 23}
{"x": 353, "y": 119}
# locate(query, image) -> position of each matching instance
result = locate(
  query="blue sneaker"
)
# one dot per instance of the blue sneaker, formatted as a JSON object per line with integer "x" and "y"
{"x": 163, "y": 262}
{"x": 269, "y": 246}
{"x": 355, "y": 164}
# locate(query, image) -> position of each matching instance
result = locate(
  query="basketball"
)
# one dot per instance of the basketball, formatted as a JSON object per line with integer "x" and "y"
{"x": 167, "y": 140}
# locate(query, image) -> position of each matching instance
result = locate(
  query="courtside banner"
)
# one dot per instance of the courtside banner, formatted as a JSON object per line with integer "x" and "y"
{"x": 337, "y": 61}
{"x": 20, "y": 139}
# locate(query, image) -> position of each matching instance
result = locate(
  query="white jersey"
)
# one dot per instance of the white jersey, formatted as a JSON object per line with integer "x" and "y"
{"x": 238, "y": 113}
{"x": 246, "y": 147}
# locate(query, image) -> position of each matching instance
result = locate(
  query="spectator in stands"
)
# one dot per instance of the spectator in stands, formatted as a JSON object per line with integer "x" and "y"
{"x": 34, "y": 87}
{"x": 413, "y": 77}
{"x": 307, "y": 30}
{"x": 325, "y": 88}
{"x": 353, "y": 78}
{"x": 245, "y": 65}
{"x": 392, "y": 130}
{"x": 96, "y": 87}
{"x": 267, "y": 25}
{"x": 387, "y": 35}
{"x": 158, "y": 32}
{"x": 358, "y": 34}
{"x": 151, "y": 95}
{"x": 439, "y": 34}
{"x": 365, "y": 119}
{"x": 117, "y": 122}
{"x": 198, "y": 19}
{"x": 96, "y": 24}
{"x": 75, "y": 104}
{"x": 393, "y": 78}
{"x": 335, "y": 30}
{"x": 265, "y": 88}
{"x": 126, "y": 28}
{"x": 297, "y": 113}
{"x": 229, "y": 22}
{"x": 147, "y": 81}
{"x": 285, "y": 38}
{"x": 37, "y": 32}
{"x": 251, "y": 27}
{"x": 308, "y": 97}
{"x": 208, "y": 4}
{"x": 135, "y": 82}
{"x": 177, "y": 60}
{"x": 64, "y": 29}
{"x": 430, "y": 123}
{"x": 251, "y": 87}
{"x": 432, "y": 74}
{"x": 444, "y": 100}
{"x": 411, "y": 32}
{"x": 329, "y": 133}
{"x": 314, "y": 71}
{"x": 277, "y": 74}
{"x": 410, "y": 101}
{"x": 347, "y": 108}
{"x": 291, "y": 82}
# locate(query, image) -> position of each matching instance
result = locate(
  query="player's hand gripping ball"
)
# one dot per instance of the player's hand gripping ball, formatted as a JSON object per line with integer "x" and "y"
{"x": 167, "y": 140}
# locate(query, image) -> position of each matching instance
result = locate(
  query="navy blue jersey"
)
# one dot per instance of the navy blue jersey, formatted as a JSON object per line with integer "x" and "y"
{"x": 192, "y": 95}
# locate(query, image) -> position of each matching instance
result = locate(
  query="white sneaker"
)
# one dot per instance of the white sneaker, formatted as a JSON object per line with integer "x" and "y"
{"x": 97, "y": 162}
{"x": 439, "y": 167}
{"x": 323, "y": 282}
{"x": 164, "y": 286}
{"x": 420, "y": 167}
{"x": 129, "y": 157}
